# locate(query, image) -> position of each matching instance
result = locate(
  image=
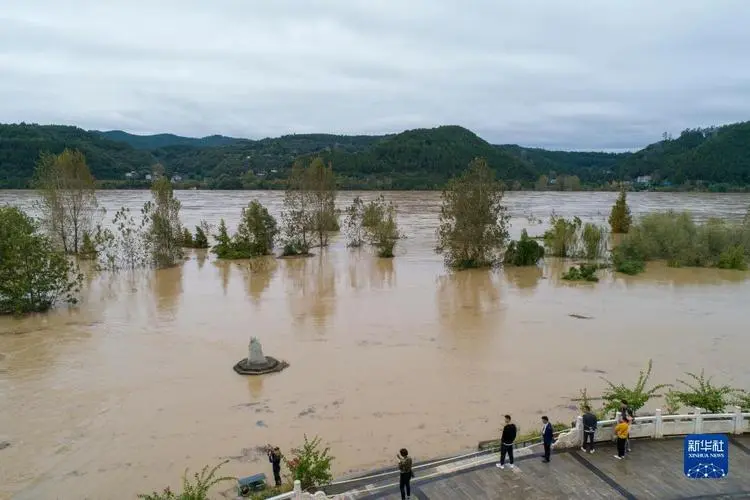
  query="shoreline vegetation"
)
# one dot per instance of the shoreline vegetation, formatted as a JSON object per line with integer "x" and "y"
{"x": 472, "y": 232}
{"x": 713, "y": 159}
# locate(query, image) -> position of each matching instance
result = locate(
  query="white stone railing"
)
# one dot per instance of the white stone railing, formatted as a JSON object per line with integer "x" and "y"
{"x": 654, "y": 426}
{"x": 658, "y": 426}
{"x": 298, "y": 494}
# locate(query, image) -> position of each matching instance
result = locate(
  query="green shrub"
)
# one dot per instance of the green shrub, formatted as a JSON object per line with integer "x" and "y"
{"x": 187, "y": 238}
{"x": 677, "y": 239}
{"x": 196, "y": 488}
{"x": 562, "y": 237}
{"x": 733, "y": 258}
{"x": 310, "y": 464}
{"x": 742, "y": 399}
{"x": 271, "y": 491}
{"x": 524, "y": 252}
{"x": 34, "y": 276}
{"x": 637, "y": 396}
{"x": 702, "y": 394}
{"x": 254, "y": 237}
{"x": 584, "y": 272}
{"x": 594, "y": 241}
{"x": 672, "y": 403}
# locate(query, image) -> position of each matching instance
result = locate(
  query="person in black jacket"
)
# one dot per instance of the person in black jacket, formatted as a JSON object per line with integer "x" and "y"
{"x": 274, "y": 456}
{"x": 547, "y": 436}
{"x": 506, "y": 443}
{"x": 589, "y": 429}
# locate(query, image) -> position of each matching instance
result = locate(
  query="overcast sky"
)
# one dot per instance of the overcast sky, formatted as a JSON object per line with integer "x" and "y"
{"x": 576, "y": 74}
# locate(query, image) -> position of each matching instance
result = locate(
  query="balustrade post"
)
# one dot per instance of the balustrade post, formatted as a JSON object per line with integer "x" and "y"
{"x": 658, "y": 425}
{"x": 698, "y": 421}
{"x": 738, "y": 423}
{"x": 297, "y": 490}
{"x": 579, "y": 429}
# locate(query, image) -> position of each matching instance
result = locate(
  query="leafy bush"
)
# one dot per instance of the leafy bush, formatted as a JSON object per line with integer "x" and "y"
{"x": 636, "y": 396}
{"x": 562, "y": 238}
{"x": 270, "y": 492}
{"x": 733, "y": 258}
{"x": 584, "y": 272}
{"x": 524, "y": 252}
{"x": 380, "y": 226}
{"x": 742, "y": 399}
{"x": 672, "y": 403}
{"x": 33, "y": 274}
{"x": 254, "y": 237}
{"x": 703, "y": 394}
{"x": 594, "y": 241}
{"x": 676, "y": 238}
{"x": 310, "y": 464}
{"x": 620, "y": 218}
{"x": 195, "y": 489}
{"x": 187, "y": 238}
{"x": 200, "y": 240}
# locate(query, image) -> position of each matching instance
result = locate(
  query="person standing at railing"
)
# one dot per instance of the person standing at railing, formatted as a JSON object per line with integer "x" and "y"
{"x": 622, "y": 429}
{"x": 547, "y": 436}
{"x": 506, "y": 443}
{"x": 626, "y": 414}
{"x": 589, "y": 429}
{"x": 405, "y": 473}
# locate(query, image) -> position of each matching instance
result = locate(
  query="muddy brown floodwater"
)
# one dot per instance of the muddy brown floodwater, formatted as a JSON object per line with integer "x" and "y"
{"x": 119, "y": 395}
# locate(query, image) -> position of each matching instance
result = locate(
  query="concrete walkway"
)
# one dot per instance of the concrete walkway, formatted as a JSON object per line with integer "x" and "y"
{"x": 652, "y": 470}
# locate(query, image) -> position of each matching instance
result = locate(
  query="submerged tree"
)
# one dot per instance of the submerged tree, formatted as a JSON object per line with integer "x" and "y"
{"x": 380, "y": 226}
{"x": 297, "y": 219}
{"x": 620, "y": 218}
{"x": 68, "y": 198}
{"x": 255, "y": 233}
{"x": 33, "y": 275}
{"x": 164, "y": 228}
{"x": 473, "y": 221}
{"x": 353, "y": 220}
{"x": 320, "y": 187}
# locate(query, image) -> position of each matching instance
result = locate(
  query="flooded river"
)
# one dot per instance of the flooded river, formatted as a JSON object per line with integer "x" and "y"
{"x": 119, "y": 395}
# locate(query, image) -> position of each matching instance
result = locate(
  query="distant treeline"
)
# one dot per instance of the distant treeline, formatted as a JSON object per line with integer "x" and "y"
{"x": 713, "y": 159}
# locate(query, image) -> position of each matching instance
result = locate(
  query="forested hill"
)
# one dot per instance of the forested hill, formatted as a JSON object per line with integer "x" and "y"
{"x": 164, "y": 140}
{"x": 715, "y": 155}
{"x": 414, "y": 159}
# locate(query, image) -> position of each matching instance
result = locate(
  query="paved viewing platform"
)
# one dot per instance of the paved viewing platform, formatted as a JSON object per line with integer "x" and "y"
{"x": 654, "y": 469}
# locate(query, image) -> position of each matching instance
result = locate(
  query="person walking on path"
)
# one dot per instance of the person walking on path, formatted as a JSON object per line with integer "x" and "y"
{"x": 274, "y": 456}
{"x": 589, "y": 429}
{"x": 621, "y": 431}
{"x": 506, "y": 443}
{"x": 547, "y": 436}
{"x": 405, "y": 473}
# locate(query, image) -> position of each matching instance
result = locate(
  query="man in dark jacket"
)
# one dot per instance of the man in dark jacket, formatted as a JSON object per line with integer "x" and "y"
{"x": 589, "y": 429}
{"x": 547, "y": 437}
{"x": 506, "y": 443}
{"x": 274, "y": 456}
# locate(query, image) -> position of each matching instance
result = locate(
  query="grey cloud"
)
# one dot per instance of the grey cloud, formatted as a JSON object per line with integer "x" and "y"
{"x": 570, "y": 75}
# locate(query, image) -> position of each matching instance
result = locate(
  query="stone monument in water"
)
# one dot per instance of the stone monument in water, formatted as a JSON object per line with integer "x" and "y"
{"x": 256, "y": 363}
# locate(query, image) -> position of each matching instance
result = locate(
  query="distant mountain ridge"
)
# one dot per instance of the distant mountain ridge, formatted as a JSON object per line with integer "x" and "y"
{"x": 157, "y": 141}
{"x": 413, "y": 159}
